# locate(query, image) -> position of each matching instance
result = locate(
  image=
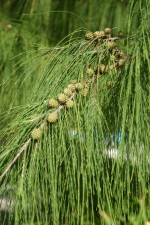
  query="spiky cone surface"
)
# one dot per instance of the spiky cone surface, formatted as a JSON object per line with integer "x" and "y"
{"x": 112, "y": 57}
{"x": 53, "y": 103}
{"x": 36, "y": 134}
{"x": 67, "y": 92}
{"x": 52, "y": 117}
{"x": 121, "y": 54}
{"x": 121, "y": 62}
{"x": 107, "y": 30}
{"x": 102, "y": 68}
{"x": 111, "y": 67}
{"x": 71, "y": 87}
{"x": 78, "y": 86}
{"x": 62, "y": 98}
{"x": 110, "y": 44}
{"x": 85, "y": 92}
{"x": 110, "y": 84}
{"x": 120, "y": 34}
{"x": 90, "y": 72}
{"x": 89, "y": 36}
{"x": 99, "y": 34}
{"x": 69, "y": 103}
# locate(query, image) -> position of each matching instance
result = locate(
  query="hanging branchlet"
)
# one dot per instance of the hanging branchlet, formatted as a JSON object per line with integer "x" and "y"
{"x": 77, "y": 143}
{"x": 82, "y": 87}
{"x": 66, "y": 99}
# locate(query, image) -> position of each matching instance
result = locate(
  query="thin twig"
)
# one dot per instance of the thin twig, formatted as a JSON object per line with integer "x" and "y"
{"x": 106, "y": 39}
{"x": 23, "y": 165}
{"x": 24, "y": 147}
{"x": 112, "y": 38}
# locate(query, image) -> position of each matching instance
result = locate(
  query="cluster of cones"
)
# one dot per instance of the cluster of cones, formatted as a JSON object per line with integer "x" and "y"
{"x": 65, "y": 100}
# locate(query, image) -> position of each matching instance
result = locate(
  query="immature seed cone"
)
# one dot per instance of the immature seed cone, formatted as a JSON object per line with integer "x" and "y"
{"x": 53, "y": 103}
{"x": 69, "y": 103}
{"x": 110, "y": 44}
{"x": 110, "y": 84}
{"x": 121, "y": 62}
{"x": 36, "y": 134}
{"x": 62, "y": 98}
{"x": 102, "y": 68}
{"x": 89, "y": 36}
{"x": 107, "y": 30}
{"x": 52, "y": 117}
{"x": 99, "y": 34}
{"x": 111, "y": 67}
{"x": 90, "y": 71}
{"x": 120, "y": 54}
{"x": 84, "y": 92}
{"x": 112, "y": 57}
{"x": 71, "y": 87}
{"x": 78, "y": 86}
{"x": 67, "y": 92}
{"x": 120, "y": 34}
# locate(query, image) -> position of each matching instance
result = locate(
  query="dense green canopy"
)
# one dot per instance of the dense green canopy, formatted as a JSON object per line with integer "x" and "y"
{"x": 75, "y": 116}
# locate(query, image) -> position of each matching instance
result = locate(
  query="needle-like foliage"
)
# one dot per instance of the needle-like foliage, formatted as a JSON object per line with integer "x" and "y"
{"x": 26, "y": 25}
{"x": 78, "y": 152}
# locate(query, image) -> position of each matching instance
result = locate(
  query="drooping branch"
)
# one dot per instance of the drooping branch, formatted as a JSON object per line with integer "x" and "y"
{"x": 66, "y": 99}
